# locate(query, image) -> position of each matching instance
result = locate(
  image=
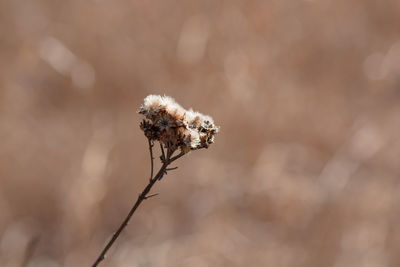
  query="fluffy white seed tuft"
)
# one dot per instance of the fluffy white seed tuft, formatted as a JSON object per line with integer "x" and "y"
{"x": 168, "y": 122}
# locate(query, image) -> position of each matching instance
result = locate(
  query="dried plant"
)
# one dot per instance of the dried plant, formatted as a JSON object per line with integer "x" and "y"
{"x": 176, "y": 130}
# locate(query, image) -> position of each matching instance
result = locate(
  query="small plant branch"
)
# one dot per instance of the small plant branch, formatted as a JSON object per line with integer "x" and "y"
{"x": 177, "y": 156}
{"x": 151, "y": 144}
{"x": 152, "y": 195}
{"x": 176, "y": 129}
{"x": 162, "y": 153}
{"x": 142, "y": 196}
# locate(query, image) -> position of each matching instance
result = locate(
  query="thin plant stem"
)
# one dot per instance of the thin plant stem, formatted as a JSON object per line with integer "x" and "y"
{"x": 142, "y": 196}
{"x": 162, "y": 153}
{"x": 177, "y": 156}
{"x": 151, "y": 144}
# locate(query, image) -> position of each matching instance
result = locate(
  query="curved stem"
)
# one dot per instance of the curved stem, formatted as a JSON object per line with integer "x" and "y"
{"x": 142, "y": 196}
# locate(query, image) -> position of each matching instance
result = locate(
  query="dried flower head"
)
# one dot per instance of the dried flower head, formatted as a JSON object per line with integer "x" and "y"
{"x": 175, "y": 127}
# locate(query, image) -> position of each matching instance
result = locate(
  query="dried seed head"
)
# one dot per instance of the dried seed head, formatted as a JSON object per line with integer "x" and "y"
{"x": 168, "y": 122}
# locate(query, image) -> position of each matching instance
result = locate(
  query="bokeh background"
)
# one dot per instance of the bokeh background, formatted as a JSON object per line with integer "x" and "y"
{"x": 304, "y": 173}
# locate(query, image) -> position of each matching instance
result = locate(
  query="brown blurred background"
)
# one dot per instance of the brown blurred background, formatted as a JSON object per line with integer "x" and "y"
{"x": 304, "y": 173}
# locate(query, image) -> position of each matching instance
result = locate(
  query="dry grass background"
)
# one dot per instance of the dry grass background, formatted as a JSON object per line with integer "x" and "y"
{"x": 305, "y": 171}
